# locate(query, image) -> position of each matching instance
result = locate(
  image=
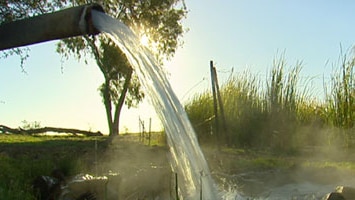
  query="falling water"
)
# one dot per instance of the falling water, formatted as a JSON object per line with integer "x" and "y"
{"x": 187, "y": 158}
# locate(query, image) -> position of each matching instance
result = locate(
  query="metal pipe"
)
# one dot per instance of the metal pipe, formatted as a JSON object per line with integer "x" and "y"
{"x": 57, "y": 25}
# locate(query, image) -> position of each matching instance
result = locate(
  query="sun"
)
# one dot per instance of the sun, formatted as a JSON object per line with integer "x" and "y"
{"x": 144, "y": 40}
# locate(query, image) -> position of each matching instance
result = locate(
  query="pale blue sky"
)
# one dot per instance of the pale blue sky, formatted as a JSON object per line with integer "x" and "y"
{"x": 233, "y": 33}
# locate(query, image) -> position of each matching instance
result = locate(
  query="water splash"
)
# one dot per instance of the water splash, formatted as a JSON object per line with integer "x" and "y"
{"x": 187, "y": 159}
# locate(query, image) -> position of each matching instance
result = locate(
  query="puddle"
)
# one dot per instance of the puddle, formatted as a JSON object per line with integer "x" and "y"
{"x": 280, "y": 185}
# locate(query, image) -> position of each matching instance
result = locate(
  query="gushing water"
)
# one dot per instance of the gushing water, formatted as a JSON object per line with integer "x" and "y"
{"x": 187, "y": 158}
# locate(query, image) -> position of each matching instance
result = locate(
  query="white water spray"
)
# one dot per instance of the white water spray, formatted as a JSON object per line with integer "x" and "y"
{"x": 187, "y": 158}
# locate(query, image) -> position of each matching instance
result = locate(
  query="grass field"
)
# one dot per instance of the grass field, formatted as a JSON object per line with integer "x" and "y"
{"x": 146, "y": 168}
{"x": 25, "y": 157}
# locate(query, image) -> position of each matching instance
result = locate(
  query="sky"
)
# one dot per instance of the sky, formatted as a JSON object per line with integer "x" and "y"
{"x": 236, "y": 35}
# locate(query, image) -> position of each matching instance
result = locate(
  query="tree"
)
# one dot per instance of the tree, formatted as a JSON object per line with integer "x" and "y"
{"x": 160, "y": 20}
{"x": 120, "y": 85}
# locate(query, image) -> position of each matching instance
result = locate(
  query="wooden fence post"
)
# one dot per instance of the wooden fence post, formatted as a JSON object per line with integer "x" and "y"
{"x": 220, "y": 102}
{"x": 217, "y": 106}
{"x": 150, "y": 131}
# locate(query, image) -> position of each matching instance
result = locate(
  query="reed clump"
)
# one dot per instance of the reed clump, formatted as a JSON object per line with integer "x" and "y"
{"x": 279, "y": 112}
{"x": 340, "y": 99}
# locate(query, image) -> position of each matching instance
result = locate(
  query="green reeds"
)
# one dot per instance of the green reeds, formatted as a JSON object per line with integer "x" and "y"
{"x": 340, "y": 100}
{"x": 258, "y": 113}
{"x": 243, "y": 109}
{"x": 282, "y": 88}
{"x": 341, "y": 97}
{"x": 278, "y": 112}
{"x": 284, "y": 101}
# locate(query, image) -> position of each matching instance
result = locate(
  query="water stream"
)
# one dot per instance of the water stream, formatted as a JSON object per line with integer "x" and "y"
{"x": 187, "y": 159}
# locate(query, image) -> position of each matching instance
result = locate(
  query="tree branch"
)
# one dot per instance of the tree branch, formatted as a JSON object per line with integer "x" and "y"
{"x": 6, "y": 129}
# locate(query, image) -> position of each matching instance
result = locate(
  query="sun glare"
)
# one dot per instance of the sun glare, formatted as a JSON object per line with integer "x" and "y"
{"x": 144, "y": 40}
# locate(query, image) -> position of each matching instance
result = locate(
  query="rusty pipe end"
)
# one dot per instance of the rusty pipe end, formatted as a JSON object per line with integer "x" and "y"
{"x": 85, "y": 24}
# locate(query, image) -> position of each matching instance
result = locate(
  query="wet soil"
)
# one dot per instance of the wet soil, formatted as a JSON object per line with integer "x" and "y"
{"x": 146, "y": 173}
{"x": 255, "y": 175}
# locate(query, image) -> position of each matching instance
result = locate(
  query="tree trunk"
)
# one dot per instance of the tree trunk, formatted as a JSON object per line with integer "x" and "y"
{"x": 106, "y": 91}
{"x": 120, "y": 103}
{"x": 108, "y": 107}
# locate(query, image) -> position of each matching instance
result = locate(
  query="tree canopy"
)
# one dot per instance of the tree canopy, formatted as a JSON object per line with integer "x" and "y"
{"x": 159, "y": 20}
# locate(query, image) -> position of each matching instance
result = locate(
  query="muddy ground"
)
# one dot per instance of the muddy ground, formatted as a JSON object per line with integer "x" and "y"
{"x": 146, "y": 173}
{"x": 261, "y": 175}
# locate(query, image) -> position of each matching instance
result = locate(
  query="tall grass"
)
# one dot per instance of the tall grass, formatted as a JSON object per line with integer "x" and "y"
{"x": 243, "y": 109}
{"x": 285, "y": 101}
{"x": 202, "y": 115}
{"x": 282, "y": 88}
{"x": 275, "y": 112}
{"x": 340, "y": 99}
